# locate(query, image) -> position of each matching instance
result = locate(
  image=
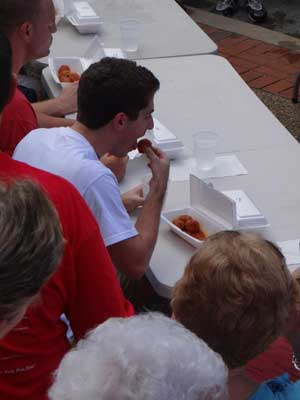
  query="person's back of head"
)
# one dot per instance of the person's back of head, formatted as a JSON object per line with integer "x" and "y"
{"x": 31, "y": 246}
{"x": 111, "y": 86}
{"x": 146, "y": 357}
{"x": 14, "y": 13}
{"x": 236, "y": 294}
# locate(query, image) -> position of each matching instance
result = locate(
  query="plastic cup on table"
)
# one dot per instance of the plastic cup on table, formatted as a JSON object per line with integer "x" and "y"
{"x": 130, "y": 33}
{"x": 205, "y": 143}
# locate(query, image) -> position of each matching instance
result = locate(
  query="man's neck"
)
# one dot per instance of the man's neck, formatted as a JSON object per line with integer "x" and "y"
{"x": 240, "y": 386}
{"x": 99, "y": 139}
{"x": 19, "y": 55}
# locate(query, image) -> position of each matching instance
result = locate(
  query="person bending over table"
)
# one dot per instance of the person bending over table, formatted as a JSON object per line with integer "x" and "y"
{"x": 31, "y": 241}
{"x": 115, "y": 106}
{"x": 85, "y": 286}
{"x": 29, "y": 25}
{"x": 153, "y": 357}
{"x": 238, "y": 295}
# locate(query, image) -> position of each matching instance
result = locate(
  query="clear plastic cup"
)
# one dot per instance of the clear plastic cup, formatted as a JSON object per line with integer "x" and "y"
{"x": 205, "y": 143}
{"x": 130, "y": 32}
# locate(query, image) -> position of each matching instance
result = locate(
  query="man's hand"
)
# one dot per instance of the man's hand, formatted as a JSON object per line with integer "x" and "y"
{"x": 67, "y": 100}
{"x": 159, "y": 164}
{"x": 133, "y": 198}
{"x": 116, "y": 164}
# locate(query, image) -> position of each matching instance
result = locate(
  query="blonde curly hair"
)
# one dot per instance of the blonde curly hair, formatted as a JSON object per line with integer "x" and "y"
{"x": 236, "y": 294}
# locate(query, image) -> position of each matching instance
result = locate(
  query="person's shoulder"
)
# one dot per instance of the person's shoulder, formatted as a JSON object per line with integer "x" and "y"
{"x": 18, "y": 102}
{"x": 71, "y": 207}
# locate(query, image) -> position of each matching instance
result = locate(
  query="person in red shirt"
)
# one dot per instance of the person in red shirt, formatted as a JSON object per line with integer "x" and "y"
{"x": 18, "y": 119}
{"x": 85, "y": 288}
{"x": 31, "y": 243}
{"x": 29, "y": 25}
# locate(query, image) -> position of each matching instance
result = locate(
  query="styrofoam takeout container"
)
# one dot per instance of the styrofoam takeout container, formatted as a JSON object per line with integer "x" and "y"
{"x": 94, "y": 53}
{"x": 84, "y": 18}
{"x": 214, "y": 211}
{"x": 85, "y": 28}
{"x": 77, "y": 64}
{"x": 164, "y": 139}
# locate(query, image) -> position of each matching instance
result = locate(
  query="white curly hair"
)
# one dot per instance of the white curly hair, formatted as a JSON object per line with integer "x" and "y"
{"x": 145, "y": 357}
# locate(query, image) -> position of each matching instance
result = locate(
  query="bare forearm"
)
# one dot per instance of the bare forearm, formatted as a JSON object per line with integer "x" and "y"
{"x": 148, "y": 221}
{"x": 47, "y": 121}
{"x": 139, "y": 247}
{"x": 51, "y": 107}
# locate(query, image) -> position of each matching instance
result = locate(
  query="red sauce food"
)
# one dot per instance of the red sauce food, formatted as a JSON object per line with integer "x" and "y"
{"x": 142, "y": 144}
{"x": 66, "y": 75}
{"x": 190, "y": 226}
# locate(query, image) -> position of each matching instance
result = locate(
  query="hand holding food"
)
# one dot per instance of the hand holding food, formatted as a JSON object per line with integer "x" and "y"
{"x": 143, "y": 144}
{"x": 66, "y": 75}
{"x": 190, "y": 226}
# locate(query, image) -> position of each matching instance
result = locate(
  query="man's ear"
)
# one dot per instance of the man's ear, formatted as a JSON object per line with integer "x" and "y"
{"x": 25, "y": 31}
{"x": 119, "y": 121}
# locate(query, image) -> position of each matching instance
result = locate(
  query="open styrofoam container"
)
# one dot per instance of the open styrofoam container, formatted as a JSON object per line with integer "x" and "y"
{"x": 161, "y": 137}
{"x": 77, "y": 64}
{"x": 94, "y": 53}
{"x": 214, "y": 211}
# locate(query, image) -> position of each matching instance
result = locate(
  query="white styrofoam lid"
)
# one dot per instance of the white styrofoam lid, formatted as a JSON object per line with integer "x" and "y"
{"x": 161, "y": 133}
{"x": 95, "y": 50}
{"x": 84, "y": 9}
{"x": 163, "y": 138}
{"x": 247, "y": 213}
{"x": 84, "y": 13}
{"x": 214, "y": 203}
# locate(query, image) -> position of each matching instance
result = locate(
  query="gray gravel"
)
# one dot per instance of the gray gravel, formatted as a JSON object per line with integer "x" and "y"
{"x": 287, "y": 112}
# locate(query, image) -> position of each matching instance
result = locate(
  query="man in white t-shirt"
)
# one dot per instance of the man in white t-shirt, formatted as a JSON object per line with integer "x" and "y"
{"x": 115, "y": 106}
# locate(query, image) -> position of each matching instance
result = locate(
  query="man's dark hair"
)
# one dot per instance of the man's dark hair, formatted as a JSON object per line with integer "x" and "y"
{"x": 15, "y": 12}
{"x": 111, "y": 86}
{"x": 5, "y": 70}
{"x": 31, "y": 243}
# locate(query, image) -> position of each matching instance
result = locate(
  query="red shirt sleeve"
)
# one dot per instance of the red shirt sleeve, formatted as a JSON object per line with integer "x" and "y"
{"x": 98, "y": 295}
{"x": 18, "y": 119}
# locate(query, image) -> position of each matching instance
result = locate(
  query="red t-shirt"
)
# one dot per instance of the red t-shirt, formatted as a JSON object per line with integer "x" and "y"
{"x": 18, "y": 119}
{"x": 85, "y": 288}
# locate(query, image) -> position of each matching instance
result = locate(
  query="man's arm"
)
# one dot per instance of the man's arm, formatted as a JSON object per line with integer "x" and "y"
{"x": 65, "y": 103}
{"x": 132, "y": 256}
{"x": 47, "y": 121}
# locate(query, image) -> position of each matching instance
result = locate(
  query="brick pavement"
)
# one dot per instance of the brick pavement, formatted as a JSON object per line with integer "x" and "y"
{"x": 262, "y": 65}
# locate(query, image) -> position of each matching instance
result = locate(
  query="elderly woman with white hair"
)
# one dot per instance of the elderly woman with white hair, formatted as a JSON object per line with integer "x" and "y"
{"x": 145, "y": 357}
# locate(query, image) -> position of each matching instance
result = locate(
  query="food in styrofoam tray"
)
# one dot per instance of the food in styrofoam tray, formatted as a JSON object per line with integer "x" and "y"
{"x": 67, "y": 75}
{"x": 190, "y": 226}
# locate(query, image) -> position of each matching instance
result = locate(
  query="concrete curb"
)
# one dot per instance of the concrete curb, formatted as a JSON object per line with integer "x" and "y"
{"x": 243, "y": 28}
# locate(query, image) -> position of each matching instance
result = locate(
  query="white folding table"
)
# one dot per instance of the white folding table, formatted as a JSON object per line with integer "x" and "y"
{"x": 205, "y": 92}
{"x": 167, "y": 31}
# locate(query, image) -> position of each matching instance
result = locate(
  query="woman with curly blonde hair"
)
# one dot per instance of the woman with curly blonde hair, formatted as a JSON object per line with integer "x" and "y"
{"x": 238, "y": 295}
